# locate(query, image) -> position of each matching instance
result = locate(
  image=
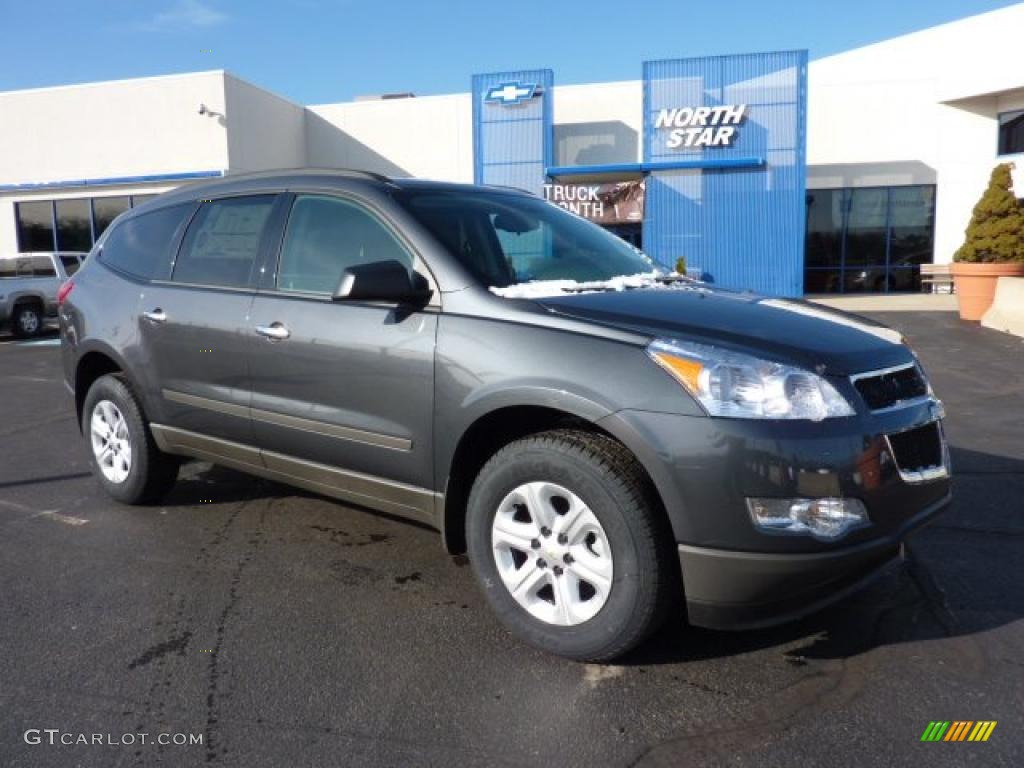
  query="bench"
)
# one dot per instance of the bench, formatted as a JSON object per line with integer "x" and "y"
{"x": 935, "y": 277}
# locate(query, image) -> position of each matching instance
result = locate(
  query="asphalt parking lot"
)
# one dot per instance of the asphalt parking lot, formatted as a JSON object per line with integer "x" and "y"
{"x": 289, "y": 630}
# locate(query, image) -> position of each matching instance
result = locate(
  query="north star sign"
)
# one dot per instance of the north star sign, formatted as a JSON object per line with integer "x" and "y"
{"x": 701, "y": 126}
{"x": 510, "y": 93}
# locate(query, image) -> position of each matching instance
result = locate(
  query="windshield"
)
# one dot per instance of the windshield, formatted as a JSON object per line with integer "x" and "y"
{"x": 507, "y": 239}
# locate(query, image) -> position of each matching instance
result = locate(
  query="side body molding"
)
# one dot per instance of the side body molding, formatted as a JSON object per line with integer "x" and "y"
{"x": 374, "y": 492}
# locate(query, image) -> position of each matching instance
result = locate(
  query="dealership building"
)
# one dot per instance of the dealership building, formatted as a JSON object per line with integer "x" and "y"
{"x": 764, "y": 171}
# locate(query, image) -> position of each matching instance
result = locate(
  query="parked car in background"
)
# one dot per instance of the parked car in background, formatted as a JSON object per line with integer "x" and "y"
{"x": 29, "y": 283}
{"x": 609, "y": 442}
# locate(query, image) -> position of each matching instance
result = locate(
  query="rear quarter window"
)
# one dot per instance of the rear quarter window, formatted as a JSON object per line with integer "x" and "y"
{"x": 27, "y": 266}
{"x": 142, "y": 246}
{"x": 42, "y": 266}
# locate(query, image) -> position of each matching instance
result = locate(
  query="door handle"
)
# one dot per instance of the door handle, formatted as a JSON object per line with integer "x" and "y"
{"x": 273, "y": 332}
{"x": 155, "y": 315}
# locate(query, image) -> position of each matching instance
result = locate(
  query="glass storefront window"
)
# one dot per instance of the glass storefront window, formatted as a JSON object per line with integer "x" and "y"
{"x": 865, "y": 227}
{"x": 1011, "y": 132}
{"x": 79, "y": 221}
{"x": 868, "y": 239}
{"x": 824, "y": 227}
{"x": 35, "y": 226}
{"x": 74, "y": 225}
{"x": 106, "y": 209}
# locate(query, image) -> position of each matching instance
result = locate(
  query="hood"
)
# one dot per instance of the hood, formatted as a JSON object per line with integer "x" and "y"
{"x": 795, "y": 332}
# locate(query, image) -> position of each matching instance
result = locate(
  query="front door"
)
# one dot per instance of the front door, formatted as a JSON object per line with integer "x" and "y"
{"x": 195, "y": 326}
{"x": 342, "y": 385}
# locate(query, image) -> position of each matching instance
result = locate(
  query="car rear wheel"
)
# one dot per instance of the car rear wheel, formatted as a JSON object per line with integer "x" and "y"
{"x": 567, "y": 540}
{"x": 27, "y": 321}
{"x": 128, "y": 464}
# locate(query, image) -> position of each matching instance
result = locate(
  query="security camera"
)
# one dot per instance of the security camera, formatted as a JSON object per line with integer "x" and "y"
{"x": 203, "y": 109}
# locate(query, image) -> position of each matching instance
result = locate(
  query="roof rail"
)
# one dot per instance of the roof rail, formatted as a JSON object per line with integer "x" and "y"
{"x": 296, "y": 171}
{"x": 358, "y": 171}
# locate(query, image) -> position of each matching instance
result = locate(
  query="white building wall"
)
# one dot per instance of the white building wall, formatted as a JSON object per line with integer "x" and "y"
{"x": 598, "y": 123}
{"x": 127, "y": 128}
{"x": 913, "y": 110}
{"x": 265, "y": 131}
{"x": 429, "y": 137}
{"x": 112, "y": 129}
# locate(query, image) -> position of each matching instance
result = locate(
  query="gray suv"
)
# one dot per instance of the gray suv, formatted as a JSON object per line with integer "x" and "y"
{"x": 607, "y": 442}
{"x": 29, "y": 287}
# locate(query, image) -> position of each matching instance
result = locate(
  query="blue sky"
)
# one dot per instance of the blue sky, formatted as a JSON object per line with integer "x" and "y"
{"x": 316, "y": 51}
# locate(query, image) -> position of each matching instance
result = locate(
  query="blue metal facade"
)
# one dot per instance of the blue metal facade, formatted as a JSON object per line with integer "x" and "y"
{"x": 512, "y": 129}
{"x": 734, "y": 209}
{"x": 742, "y": 226}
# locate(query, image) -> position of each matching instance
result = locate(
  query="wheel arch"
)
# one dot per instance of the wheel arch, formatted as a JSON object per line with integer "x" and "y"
{"x": 490, "y": 432}
{"x": 96, "y": 361}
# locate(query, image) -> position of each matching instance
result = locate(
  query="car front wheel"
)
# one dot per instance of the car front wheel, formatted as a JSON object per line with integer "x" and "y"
{"x": 567, "y": 540}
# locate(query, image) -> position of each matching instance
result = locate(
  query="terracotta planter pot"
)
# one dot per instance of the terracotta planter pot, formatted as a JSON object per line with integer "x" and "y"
{"x": 976, "y": 285}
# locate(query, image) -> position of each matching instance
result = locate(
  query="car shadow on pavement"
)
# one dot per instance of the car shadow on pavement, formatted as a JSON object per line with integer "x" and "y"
{"x": 959, "y": 577}
{"x": 204, "y": 483}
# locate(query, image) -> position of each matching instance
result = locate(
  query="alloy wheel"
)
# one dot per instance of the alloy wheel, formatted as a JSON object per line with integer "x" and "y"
{"x": 552, "y": 553}
{"x": 111, "y": 441}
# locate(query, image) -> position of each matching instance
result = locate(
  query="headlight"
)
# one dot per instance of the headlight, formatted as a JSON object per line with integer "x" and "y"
{"x": 745, "y": 387}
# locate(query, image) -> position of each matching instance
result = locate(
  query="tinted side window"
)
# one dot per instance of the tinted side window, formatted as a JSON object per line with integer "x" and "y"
{"x": 71, "y": 264}
{"x": 222, "y": 242}
{"x": 325, "y": 236}
{"x": 141, "y": 246}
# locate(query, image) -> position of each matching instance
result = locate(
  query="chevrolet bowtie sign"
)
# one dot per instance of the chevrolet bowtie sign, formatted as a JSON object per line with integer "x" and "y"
{"x": 698, "y": 127}
{"x": 510, "y": 93}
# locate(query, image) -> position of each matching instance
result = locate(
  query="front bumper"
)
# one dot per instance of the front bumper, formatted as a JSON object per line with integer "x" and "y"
{"x": 735, "y": 575}
{"x": 745, "y": 590}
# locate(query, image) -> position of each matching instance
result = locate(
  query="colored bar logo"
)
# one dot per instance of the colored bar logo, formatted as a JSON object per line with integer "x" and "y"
{"x": 958, "y": 730}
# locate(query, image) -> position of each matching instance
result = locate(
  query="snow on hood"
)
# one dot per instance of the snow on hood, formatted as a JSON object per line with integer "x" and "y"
{"x": 542, "y": 289}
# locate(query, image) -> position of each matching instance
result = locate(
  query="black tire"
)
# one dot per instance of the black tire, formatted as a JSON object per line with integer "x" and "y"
{"x": 152, "y": 472}
{"x": 610, "y": 481}
{"x": 27, "y": 321}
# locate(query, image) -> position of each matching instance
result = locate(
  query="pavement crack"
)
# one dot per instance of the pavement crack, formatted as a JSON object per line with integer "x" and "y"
{"x": 934, "y": 596}
{"x": 174, "y": 645}
{"x": 214, "y": 671}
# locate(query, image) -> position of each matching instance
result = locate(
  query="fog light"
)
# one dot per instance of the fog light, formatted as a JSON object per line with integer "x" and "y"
{"x": 826, "y": 519}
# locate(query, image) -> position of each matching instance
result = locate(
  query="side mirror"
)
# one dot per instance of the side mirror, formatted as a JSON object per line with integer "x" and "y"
{"x": 383, "y": 281}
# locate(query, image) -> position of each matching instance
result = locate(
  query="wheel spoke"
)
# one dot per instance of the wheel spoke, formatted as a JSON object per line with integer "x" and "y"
{"x": 513, "y": 534}
{"x": 99, "y": 427}
{"x": 539, "y": 504}
{"x": 527, "y": 580}
{"x": 567, "y": 597}
{"x": 106, "y": 455}
{"x": 579, "y": 514}
{"x": 594, "y": 570}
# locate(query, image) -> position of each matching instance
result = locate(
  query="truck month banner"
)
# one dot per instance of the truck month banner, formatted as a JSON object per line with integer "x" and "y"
{"x": 615, "y": 203}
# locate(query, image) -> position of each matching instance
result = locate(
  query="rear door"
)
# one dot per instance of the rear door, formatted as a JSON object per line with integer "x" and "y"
{"x": 195, "y": 325}
{"x": 345, "y": 384}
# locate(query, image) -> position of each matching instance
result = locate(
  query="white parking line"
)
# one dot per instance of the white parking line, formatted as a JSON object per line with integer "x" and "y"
{"x": 66, "y": 519}
{"x": 16, "y": 507}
